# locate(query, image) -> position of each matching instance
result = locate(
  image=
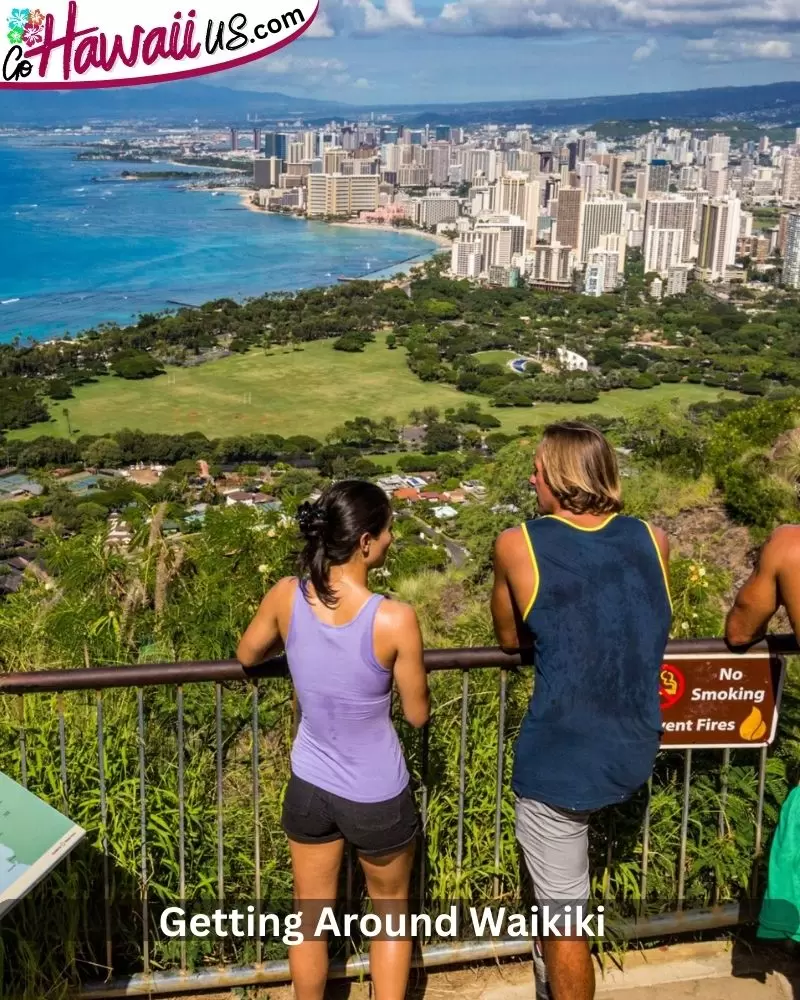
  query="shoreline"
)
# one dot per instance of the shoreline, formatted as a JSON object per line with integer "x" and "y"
{"x": 246, "y": 196}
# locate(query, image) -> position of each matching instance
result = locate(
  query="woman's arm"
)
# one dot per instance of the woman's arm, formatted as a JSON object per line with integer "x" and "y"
{"x": 263, "y": 638}
{"x": 410, "y": 675}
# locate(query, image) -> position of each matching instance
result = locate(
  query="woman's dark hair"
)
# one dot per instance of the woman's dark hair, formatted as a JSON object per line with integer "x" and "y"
{"x": 333, "y": 526}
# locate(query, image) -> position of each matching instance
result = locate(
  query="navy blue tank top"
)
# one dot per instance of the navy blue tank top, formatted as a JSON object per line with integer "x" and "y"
{"x": 600, "y": 619}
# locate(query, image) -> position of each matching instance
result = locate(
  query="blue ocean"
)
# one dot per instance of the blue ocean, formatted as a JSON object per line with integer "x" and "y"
{"x": 80, "y": 246}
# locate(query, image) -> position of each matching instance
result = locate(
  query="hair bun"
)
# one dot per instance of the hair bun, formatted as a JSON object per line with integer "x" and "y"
{"x": 312, "y": 519}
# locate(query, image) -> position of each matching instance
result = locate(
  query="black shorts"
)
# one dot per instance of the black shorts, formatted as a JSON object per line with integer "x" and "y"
{"x": 313, "y": 816}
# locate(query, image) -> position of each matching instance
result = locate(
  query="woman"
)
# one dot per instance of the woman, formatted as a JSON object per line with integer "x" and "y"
{"x": 349, "y": 780}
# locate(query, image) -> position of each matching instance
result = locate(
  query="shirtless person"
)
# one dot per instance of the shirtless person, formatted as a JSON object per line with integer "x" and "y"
{"x": 774, "y": 582}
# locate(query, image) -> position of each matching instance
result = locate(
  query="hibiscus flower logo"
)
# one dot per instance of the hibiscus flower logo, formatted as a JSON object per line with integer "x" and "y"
{"x": 16, "y": 24}
{"x": 32, "y": 35}
{"x": 25, "y": 25}
{"x": 18, "y": 19}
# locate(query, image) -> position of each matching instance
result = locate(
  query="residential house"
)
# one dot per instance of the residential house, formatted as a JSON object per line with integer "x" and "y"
{"x": 408, "y": 493}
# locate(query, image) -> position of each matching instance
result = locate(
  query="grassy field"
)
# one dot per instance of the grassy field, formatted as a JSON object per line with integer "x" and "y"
{"x": 495, "y": 357}
{"x": 301, "y": 392}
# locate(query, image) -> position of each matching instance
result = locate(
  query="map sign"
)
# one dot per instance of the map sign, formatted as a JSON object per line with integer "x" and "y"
{"x": 34, "y": 837}
{"x": 720, "y": 700}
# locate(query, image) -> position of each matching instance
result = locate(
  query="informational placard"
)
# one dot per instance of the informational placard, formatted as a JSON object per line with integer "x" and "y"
{"x": 721, "y": 700}
{"x": 34, "y": 837}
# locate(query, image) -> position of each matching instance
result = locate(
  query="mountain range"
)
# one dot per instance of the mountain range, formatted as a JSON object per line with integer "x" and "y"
{"x": 183, "y": 102}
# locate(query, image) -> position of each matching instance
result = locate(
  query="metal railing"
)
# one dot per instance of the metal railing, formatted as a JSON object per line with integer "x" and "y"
{"x": 143, "y": 677}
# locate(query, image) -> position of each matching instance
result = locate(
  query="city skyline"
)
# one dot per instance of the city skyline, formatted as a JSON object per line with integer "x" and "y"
{"x": 407, "y": 52}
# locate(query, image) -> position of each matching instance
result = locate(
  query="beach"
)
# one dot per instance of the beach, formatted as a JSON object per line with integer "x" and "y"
{"x": 246, "y": 199}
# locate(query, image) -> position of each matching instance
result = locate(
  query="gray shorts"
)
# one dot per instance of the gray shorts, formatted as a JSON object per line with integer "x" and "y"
{"x": 555, "y": 843}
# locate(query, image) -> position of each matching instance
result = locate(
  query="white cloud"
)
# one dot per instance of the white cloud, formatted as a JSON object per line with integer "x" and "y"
{"x": 284, "y": 64}
{"x": 393, "y": 14}
{"x": 646, "y": 50}
{"x": 321, "y": 27}
{"x": 305, "y": 73}
{"x": 731, "y": 47}
{"x": 523, "y": 17}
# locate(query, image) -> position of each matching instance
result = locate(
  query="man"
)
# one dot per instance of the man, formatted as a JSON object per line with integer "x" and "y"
{"x": 588, "y": 589}
{"x": 775, "y": 581}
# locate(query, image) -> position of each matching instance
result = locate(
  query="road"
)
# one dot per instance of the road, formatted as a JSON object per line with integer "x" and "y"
{"x": 457, "y": 553}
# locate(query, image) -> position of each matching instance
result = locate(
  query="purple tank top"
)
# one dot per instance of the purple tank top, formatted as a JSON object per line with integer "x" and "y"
{"x": 346, "y": 743}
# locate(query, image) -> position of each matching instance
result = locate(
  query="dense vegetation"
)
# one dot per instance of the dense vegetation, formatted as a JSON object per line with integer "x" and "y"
{"x": 186, "y": 596}
{"x": 747, "y": 344}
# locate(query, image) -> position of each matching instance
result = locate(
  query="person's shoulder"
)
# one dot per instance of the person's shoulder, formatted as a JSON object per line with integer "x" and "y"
{"x": 640, "y": 524}
{"x": 783, "y": 545}
{"x": 511, "y": 543}
{"x": 396, "y": 614}
{"x": 284, "y": 589}
{"x": 786, "y": 534}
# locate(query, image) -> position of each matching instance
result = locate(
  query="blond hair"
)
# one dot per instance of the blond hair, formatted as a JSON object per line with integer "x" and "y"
{"x": 580, "y": 467}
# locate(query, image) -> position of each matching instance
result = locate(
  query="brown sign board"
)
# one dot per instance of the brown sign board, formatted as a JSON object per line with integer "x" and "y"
{"x": 720, "y": 700}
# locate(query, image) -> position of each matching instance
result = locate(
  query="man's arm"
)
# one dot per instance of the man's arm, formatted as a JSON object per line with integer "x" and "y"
{"x": 774, "y": 581}
{"x": 508, "y": 624}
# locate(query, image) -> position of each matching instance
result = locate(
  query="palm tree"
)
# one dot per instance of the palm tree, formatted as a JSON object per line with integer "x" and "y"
{"x": 65, "y": 415}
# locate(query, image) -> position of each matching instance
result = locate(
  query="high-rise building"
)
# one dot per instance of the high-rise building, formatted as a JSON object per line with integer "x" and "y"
{"x": 663, "y": 249}
{"x": 594, "y": 282}
{"x": 465, "y": 257}
{"x": 791, "y": 179}
{"x": 720, "y": 145}
{"x": 275, "y": 144}
{"x": 667, "y": 215}
{"x": 412, "y": 176}
{"x": 511, "y": 194}
{"x": 550, "y": 265}
{"x": 716, "y": 181}
{"x": 616, "y": 166}
{"x": 677, "y": 280}
{"x": 257, "y": 139}
{"x": 569, "y": 217}
{"x": 235, "y": 139}
{"x": 437, "y": 207}
{"x": 658, "y": 176}
{"x": 642, "y": 181}
{"x": 501, "y": 236}
{"x": 436, "y": 158}
{"x": 333, "y": 159}
{"x": 791, "y": 258}
{"x": 589, "y": 175}
{"x": 266, "y": 172}
{"x": 719, "y": 232}
{"x": 335, "y": 194}
{"x": 601, "y": 217}
{"x": 309, "y": 145}
{"x": 608, "y": 257}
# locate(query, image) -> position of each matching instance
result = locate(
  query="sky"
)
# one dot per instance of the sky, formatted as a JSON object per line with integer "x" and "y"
{"x": 406, "y": 51}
